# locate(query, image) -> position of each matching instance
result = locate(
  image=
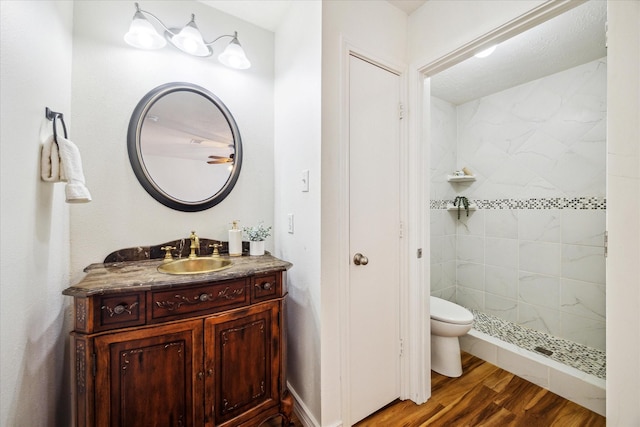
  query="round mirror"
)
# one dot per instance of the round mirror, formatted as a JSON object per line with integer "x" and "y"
{"x": 184, "y": 147}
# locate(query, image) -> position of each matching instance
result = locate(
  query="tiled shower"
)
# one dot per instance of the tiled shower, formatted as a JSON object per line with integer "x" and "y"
{"x": 533, "y": 251}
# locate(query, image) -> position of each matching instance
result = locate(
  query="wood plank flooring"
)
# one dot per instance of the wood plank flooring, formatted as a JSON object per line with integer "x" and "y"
{"x": 485, "y": 395}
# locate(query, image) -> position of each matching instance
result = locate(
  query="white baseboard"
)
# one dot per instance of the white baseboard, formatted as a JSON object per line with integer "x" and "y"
{"x": 302, "y": 411}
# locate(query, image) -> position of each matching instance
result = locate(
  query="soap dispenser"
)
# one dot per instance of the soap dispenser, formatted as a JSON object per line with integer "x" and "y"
{"x": 235, "y": 240}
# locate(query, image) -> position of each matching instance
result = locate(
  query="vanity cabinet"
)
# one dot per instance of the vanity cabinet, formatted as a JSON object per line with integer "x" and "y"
{"x": 186, "y": 354}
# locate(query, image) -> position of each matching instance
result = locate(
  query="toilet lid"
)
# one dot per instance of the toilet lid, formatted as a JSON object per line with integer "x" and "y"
{"x": 446, "y": 311}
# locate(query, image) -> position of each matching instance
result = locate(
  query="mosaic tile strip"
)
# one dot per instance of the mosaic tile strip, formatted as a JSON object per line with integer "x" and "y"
{"x": 586, "y": 359}
{"x": 543, "y": 203}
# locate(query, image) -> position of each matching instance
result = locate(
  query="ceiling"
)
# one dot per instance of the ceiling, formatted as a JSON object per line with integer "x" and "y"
{"x": 571, "y": 39}
{"x": 268, "y": 14}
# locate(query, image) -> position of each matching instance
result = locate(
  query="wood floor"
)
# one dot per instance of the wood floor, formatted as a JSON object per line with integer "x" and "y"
{"x": 485, "y": 395}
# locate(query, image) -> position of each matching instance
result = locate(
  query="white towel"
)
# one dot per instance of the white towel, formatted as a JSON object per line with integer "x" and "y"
{"x": 50, "y": 168}
{"x": 76, "y": 191}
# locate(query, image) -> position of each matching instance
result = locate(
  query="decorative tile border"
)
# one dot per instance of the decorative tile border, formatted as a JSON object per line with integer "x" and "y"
{"x": 543, "y": 203}
{"x": 586, "y": 359}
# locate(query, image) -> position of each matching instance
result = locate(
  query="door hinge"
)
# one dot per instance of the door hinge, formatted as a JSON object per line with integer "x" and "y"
{"x": 400, "y": 111}
{"x": 606, "y": 243}
{"x": 94, "y": 362}
{"x": 401, "y": 231}
{"x": 401, "y": 347}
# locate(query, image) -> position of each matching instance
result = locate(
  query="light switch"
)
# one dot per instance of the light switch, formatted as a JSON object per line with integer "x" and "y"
{"x": 305, "y": 180}
{"x": 290, "y": 224}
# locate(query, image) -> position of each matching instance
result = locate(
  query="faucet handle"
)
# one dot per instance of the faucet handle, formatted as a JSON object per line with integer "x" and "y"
{"x": 215, "y": 247}
{"x": 167, "y": 254}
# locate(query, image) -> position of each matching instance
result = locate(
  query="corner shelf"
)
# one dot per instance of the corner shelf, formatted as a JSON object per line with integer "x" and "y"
{"x": 463, "y": 178}
{"x": 451, "y": 208}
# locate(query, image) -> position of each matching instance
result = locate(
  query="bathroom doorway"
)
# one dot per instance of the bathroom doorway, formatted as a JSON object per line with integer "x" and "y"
{"x": 534, "y": 143}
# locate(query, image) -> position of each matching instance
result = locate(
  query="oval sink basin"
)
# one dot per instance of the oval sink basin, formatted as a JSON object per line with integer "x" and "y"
{"x": 194, "y": 266}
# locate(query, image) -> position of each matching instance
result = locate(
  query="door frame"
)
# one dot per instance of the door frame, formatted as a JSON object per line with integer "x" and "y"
{"x": 420, "y": 143}
{"x": 348, "y": 49}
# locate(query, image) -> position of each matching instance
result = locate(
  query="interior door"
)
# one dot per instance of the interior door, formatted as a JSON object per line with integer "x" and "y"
{"x": 374, "y": 223}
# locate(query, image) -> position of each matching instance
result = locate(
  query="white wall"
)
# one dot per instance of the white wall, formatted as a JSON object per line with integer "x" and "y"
{"x": 623, "y": 219}
{"x": 110, "y": 77}
{"x": 297, "y": 148}
{"x": 35, "y": 59}
{"x": 377, "y": 28}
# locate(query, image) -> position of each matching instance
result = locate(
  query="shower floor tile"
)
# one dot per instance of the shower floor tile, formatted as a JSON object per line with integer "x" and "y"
{"x": 586, "y": 359}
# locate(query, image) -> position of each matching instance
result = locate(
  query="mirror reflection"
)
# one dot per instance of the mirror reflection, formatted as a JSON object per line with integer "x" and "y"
{"x": 184, "y": 147}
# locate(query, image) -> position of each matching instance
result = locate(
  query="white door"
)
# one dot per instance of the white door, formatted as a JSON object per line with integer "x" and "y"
{"x": 374, "y": 223}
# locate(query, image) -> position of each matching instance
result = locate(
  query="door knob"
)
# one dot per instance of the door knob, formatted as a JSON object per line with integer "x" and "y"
{"x": 359, "y": 259}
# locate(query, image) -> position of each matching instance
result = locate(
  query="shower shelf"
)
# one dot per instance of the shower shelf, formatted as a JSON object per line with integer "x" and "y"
{"x": 451, "y": 208}
{"x": 464, "y": 178}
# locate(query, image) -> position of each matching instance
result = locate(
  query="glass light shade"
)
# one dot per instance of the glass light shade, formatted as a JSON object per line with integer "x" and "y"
{"x": 234, "y": 56}
{"x": 189, "y": 40}
{"x": 143, "y": 35}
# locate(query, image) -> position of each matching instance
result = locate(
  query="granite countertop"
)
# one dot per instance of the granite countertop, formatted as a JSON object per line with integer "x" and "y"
{"x": 143, "y": 275}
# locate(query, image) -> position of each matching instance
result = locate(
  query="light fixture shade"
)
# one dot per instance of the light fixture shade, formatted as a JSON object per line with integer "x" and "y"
{"x": 190, "y": 40}
{"x": 143, "y": 35}
{"x": 234, "y": 56}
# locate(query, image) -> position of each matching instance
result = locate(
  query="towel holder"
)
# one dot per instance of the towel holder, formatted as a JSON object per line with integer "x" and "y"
{"x": 53, "y": 115}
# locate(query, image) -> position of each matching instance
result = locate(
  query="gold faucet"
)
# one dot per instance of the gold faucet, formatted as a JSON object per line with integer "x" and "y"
{"x": 195, "y": 244}
{"x": 216, "y": 253}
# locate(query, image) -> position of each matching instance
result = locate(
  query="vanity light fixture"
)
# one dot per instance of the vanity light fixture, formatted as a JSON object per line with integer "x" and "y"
{"x": 143, "y": 35}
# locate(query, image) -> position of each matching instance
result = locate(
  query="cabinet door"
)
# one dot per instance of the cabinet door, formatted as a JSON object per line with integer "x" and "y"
{"x": 242, "y": 359}
{"x": 150, "y": 377}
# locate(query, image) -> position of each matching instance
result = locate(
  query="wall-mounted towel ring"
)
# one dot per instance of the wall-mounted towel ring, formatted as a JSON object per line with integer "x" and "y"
{"x": 53, "y": 115}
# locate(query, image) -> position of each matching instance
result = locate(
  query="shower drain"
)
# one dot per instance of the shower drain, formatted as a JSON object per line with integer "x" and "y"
{"x": 543, "y": 351}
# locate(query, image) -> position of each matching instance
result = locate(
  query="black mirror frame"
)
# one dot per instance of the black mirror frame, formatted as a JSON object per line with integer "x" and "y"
{"x": 135, "y": 156}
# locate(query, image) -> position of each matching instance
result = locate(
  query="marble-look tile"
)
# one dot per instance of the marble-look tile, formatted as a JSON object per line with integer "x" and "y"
{"x": 524, "y": 367}
{"x": 540, "y": 257}
{"x": 583, "y": 227}
{"x": 501, "y": 281}
{"x": 470, "y": 275}
{"x": 479, "y": 348}
{"x": 539, "y": 318}
{"x": 449, "y": 273}
{"x": 576, "y": 389}
{"x": 501, "y": 223}
{"x": 583, "y": 330}
{"x": 585, "y": 263}
{"x": 540, "y": 225}
{"x": 470, "y": 248}
{"x": 449, "y": 248}
{"x": 436, "y": 222}
{"x": 435, "y": 276}
{"x": 501, "y": 252}
{"x": 503, "y": 308}
{"x": 472, "y": 225}
{"x": 436, "y": 249}
{"x": 470, "y": 298}
{"x": 583, "y": 299}
{"x": 448, "y": 293}
{"x": 539, "y": 290}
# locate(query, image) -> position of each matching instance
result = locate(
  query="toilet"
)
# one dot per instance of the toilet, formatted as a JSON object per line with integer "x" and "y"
{"x": 448, "y": 322}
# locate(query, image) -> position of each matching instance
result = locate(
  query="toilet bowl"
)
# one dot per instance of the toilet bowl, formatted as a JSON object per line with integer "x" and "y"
{"x": 448, "y": 322}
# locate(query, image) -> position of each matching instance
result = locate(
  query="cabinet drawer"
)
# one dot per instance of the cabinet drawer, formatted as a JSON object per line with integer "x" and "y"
{"x": 265, "y": 287}
{"x": 198, "y": 300}
{"x": 119, "y": 311}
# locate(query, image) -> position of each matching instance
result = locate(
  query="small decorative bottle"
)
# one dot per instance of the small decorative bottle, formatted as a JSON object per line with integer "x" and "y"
{"x": 235, "y": 240}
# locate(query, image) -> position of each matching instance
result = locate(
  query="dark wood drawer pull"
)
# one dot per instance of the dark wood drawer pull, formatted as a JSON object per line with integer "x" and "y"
{"x": 119, "y": 309}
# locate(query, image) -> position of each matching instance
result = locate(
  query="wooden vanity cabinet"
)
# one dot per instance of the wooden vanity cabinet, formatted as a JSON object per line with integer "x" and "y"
{"x": 214, "y": 357}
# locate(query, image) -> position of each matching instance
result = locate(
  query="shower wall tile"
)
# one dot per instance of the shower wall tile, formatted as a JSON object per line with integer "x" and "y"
{"x": 435, "y": 275}
{"x": 470, "y": 298}
{"x": 540, "y": 257}
{"x": 470, "y": 275}
{"x": 501, "y": 252}
{"x": 472, "y": 225}
{"x": 583, "y": 330}
{"x": 540, "y": 290}
{"x": 501, "y": 223}
{"x": 539, "y": 318}
{"x": 504, "y": 308}
{"x": 583, "y": 227}
{"x": 540, "y": 225}
{"x": 501, "y": 281}
{"x": 584, "y": 263}
{"x": 583, "y": 299}
{"x": 449, "y": 248}
{"x": 449, "y": 273}
{"x": 470, "y": 248}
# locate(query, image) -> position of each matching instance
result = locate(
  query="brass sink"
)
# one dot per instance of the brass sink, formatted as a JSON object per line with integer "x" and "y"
{"x": 194, "y": 265}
